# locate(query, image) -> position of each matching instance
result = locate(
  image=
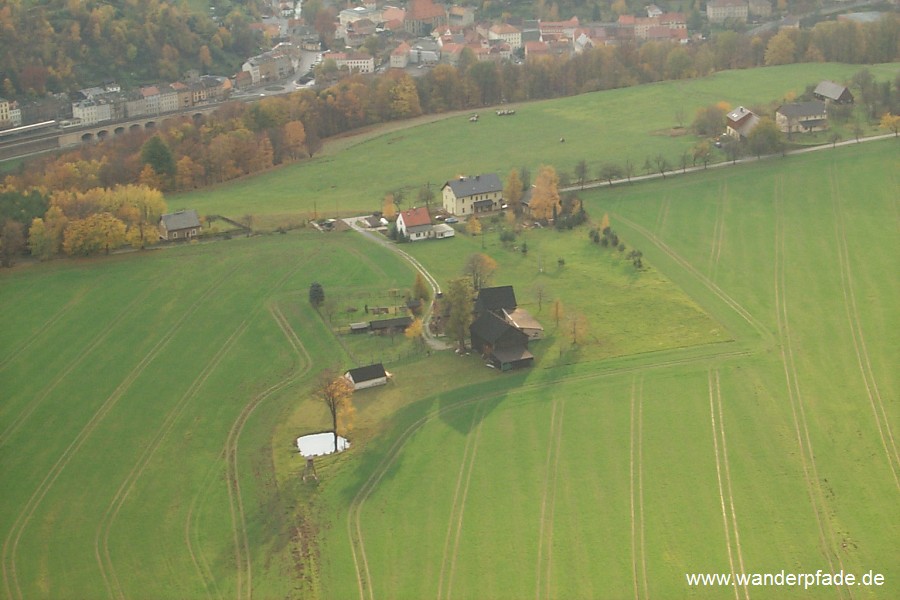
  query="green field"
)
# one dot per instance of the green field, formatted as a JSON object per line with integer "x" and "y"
{"x": 734, "y": 408}
{"x": 613, "y": 126}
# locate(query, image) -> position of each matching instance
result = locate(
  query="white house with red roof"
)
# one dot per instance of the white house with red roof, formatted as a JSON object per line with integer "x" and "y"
{"x": 414, "y": 223}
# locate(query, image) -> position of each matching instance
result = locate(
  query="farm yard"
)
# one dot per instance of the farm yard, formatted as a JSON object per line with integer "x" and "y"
{"x": 733, "y": 408}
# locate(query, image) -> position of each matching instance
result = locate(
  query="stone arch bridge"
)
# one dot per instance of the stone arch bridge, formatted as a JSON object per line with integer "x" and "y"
{"x": 103, "y": 131}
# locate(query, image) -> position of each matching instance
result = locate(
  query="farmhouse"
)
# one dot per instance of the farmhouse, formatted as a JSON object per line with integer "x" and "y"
{"x": 801, "y": 117}
{"x": 180, "y": 225}
{"x": 501, "y": 302}
{"x": 366, "y": 377}
{"x": 830, "y": 91}
{"x": 414, "y": 223}
{"x": 740, "y": 122}
{"x": 501, "y": 344}
{"x": 468, "y": 195}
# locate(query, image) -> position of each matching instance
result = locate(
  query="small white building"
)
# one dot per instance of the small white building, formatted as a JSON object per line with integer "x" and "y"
{"x": 366, "y": 377}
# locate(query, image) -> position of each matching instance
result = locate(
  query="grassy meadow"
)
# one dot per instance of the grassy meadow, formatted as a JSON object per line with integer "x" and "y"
{"x": 612, "y": 126}
{"x": 733, "y": 407}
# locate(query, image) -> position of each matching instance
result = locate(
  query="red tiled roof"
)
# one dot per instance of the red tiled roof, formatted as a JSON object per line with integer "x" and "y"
{"x": 416, "y": 216}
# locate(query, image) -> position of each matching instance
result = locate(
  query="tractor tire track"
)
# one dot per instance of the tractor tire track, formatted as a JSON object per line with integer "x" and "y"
{"x": 710, "y": 285}
{"x": 11, "y": 543}
{"x": 100, "y": 338}
{"x": 354, "y": 529}
{"x": 34, "y": 335}
{"x": 663, "y": 215}
{"x": 192, "y": 538}
{"x": 548, "y": 501}
{"x": 462, "y": 503}
{"x": 718, "y": 236}
{"x": 243, "y": 561}
{"x": 728, "y": 525}
{"x": 730, "y": 492}
{"x": 101, "y": 542}
{"x": 798, "y": 412}
{"x": 636, "y": 491}
{"x": 465, "y": 466}
{"x": 882, "y": 422}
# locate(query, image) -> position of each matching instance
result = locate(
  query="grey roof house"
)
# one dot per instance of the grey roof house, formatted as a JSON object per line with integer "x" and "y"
{"x": 802, "y": 117}
{"x": 469, "y": 195}
{"x": 179, "y": 225}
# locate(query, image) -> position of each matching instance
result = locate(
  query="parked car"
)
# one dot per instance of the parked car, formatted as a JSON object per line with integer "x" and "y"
{"x": 451, "y": 220}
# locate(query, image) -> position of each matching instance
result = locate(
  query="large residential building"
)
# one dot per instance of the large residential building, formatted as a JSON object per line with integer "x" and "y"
{"x": 5, "y": 119}
{"x": 361, "y": 63}
{"x": 719, "y": 11}
{"x": 801, "y": 117}
{"x": 509, "y": 34}
{"x": 470, "y": 195}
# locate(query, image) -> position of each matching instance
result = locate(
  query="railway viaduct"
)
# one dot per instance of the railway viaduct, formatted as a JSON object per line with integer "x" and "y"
{"x": 102, "y": 131}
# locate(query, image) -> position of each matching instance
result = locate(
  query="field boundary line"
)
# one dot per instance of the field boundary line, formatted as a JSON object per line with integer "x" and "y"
{"x": 98, "y": 340}
{"x": 730, "y": 490}
{"x": 465, "y": 493}
{"x": 727, "y": 526}
{"x": 710, "y": 285}
{"x": 631, "y": 486}
{"x": 462, "y": 470}
{"x": 882, "y": 422}
{"x": 9, "y": 552}
{"x": 101, "y": 542}
{"x": 801, "y": 428}
{"x": 32, "y": 338}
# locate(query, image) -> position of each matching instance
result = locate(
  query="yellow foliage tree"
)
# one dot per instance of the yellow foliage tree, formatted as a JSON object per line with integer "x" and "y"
{"x": 389, "y": 209}
{"x": 546, "y": 194}
{"x": 473, "y": 226}
{"x": 414, "y": 331}
{"x": 336, "y": 392}
{"x": 557, "y": 311}
{"x": 100, "y": 231}
{"x": 512, "y": 192}
{"x": 891, "y": 123}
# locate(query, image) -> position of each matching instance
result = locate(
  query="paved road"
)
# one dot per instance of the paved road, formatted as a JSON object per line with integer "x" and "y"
{"x": 432, "y": 341}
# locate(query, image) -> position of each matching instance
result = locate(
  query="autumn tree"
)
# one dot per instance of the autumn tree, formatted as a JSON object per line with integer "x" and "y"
{"x": 99, "y": 232}
{"x": 45, "y": 235}
{"x": 545, "y": 199}
{"x": 459, "y": 298}
{"x": 557, "y": 311}
{"x": 388, "y": 208}
{"x": 473, "y": 226}
{"x": 414, "y": 332}
{"x": 710, "y": 120}
{"x": 578, "y": 326}
{"x": 480, "y": 268}
{"x": 426, "y": 196}
{"x": 421, "y": 290}
{"x": 336, "y": 392}
{"x": 12, "y": 242}
{"x": 765, "y": 137}
{"x": 891, "y": 123}
{"x": 512, "y": 192}
{"x": 294, "y": 139}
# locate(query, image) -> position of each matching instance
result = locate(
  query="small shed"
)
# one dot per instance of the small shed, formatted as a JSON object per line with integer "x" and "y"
{"x": 366, "y": 377}
{"x": 359, "y": 327}
{"x": 180, "y": 225}
{"x": 442, "y": 230}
